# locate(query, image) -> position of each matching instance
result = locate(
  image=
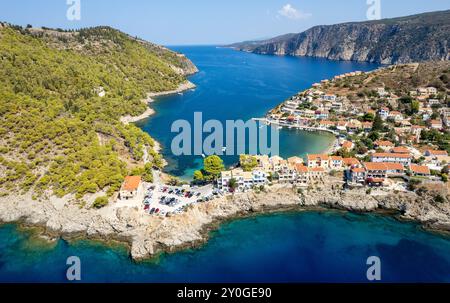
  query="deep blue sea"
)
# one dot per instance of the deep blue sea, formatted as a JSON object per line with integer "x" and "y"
{"x": 296, "y": 247}
{"x": 301, "y": 247}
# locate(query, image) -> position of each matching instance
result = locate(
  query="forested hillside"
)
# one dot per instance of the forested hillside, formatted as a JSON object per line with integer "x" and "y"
{"x": 61, "y": 98}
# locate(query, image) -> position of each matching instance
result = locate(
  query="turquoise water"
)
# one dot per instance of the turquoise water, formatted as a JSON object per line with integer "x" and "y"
{"x": 235, "y": 85}
{"x": 301, "y": 247}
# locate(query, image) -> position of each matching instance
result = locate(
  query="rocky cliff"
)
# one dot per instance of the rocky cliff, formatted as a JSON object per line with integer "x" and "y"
{"x": 148, "y": 235}
{"x": 389, "y": 41}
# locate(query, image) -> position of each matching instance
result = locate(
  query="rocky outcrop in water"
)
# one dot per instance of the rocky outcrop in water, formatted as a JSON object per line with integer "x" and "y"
{"x": 149, "y": 235}
{"x": 401, "y": 40}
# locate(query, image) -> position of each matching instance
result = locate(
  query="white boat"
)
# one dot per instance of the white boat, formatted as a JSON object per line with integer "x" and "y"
{"x": 280, "y": 127}
{"x": 224, "y": 149}
{"x": 203, "y": 155}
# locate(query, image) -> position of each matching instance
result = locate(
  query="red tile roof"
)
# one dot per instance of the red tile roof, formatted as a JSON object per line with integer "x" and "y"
{"x": 390, "y": 155}
{"x": 131, "y": 183}
{"x": 418, "y": 169}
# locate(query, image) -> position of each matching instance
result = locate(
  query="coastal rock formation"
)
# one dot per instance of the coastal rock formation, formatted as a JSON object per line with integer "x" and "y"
{"x": 149, "y": 235}
{"x": 400, "y": 40}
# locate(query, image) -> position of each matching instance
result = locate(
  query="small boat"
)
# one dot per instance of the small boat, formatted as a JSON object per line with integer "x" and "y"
{"x": 203, "y": 155}
{"x": 224, "y": 149}
{"x": 280, "y": 127}
{"x": 181, "y": 94}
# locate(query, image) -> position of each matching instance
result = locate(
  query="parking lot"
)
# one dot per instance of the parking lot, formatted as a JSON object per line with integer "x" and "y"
{"x": 163, "y": 200}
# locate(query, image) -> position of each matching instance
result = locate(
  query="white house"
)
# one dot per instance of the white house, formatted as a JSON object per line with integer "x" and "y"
{"x": 404, "y": 159}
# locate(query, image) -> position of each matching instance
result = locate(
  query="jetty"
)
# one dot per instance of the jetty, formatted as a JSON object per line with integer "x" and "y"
{"x": 296, "y": 126}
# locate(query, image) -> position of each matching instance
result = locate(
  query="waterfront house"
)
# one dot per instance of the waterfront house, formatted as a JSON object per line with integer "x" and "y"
{"x": 336, "y": 162}
{"x": 322, "y": 161}
{"x": 295, "y": 160}
{"x": 358, "y": 175}
{"x": 131, "y": 188}
{"x": 317, "y": 173}
{"x": 419, "y": 171}
{"x": 326, "y": 124}
{"x": 384, "y": 170}
{"x": 348, "y": 145}
{"x": 351, "y": 162}
{"x": 302, "y": 174}
{"x": 404, "y": 159}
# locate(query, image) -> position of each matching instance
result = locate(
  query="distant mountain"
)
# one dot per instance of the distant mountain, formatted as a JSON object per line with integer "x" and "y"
{"x": 388, "y": 41}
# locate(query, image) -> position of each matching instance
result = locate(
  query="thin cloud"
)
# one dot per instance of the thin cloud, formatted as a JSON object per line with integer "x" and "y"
{"x": 290, "y": 12}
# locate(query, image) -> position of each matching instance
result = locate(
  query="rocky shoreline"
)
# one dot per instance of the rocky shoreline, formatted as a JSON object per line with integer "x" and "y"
{"x": 148, "y": 236}
{"x": 187, "y": 85}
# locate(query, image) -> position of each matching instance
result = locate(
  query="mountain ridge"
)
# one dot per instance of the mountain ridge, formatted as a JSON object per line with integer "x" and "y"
{"x": 407, "y": 39}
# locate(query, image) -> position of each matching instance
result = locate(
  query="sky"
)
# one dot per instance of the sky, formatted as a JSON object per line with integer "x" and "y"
{"x": 213, "y": 22}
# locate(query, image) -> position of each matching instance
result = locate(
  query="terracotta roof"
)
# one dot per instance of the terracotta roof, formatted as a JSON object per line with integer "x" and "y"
{"x": 317, "y": 169}
{"x": 336, "y": 158}
{"x": 375, "y": 180}
{"x": 301, "y": 168}
{"x": 383, "y": 166}
{"x": 390, "y": 155}
{"x": 384, "y": 143}
{"x": 418, "y": 169}
{"x": 438, "y": 152}
{"x": 358, "y": 170}
{"x": 131, "y": 183}
{"x": 400, "y": 150}
{"x": 318, "y": 157}
{"x": 347, "y": 145}
{"x": 351, "y": 161}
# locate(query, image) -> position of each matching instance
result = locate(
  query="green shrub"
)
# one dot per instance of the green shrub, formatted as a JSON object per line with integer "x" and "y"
{"x": 100, "y": 202}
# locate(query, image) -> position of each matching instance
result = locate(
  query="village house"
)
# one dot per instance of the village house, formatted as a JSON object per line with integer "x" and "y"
{"x": 295, "y": 160}
{"x": 302, "y": 174}
{"x": 404, "y": 159}
{"x": 384, "y": 145}
{"x": 401, "y": 150}
{"x": 336, "y": 162}
{"x": 348, "y": 145}
{"x": 131, "y": 188}
{"x": 322, "y": 161}
{"x": 435, "y": 153}
{"x": 358, "y": 175}
{"x": 384, "y": 170}
{"x": 419, "y": 171}
{"x": 351, "y": 162}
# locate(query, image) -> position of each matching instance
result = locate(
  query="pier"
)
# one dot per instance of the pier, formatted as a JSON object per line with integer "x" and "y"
{"x": 296, "y": 126}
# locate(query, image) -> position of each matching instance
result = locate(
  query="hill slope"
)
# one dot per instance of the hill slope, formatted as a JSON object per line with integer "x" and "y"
{"x": 62, "y": 95}
{"x": 400, "y": 40}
